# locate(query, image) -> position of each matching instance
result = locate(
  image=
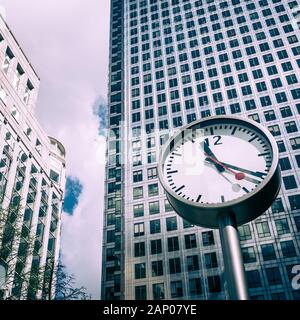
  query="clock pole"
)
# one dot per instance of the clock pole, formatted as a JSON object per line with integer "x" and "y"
{"x": 233, "y": 260}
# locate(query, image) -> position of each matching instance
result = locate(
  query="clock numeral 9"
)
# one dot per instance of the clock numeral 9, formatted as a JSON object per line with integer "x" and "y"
{"x": 217, "y": 141}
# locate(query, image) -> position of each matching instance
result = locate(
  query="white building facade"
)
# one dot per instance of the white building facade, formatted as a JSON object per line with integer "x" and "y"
{"x": 32, "y": 180}
{"x": 172, "y": 62}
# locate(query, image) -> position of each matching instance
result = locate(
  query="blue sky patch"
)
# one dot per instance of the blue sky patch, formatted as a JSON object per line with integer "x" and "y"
{"x": 73, "y": 191}
{"x": 100, "y": 110}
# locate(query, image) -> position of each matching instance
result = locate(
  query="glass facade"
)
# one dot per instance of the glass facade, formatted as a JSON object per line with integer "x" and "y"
{"x": 172, "y": 62}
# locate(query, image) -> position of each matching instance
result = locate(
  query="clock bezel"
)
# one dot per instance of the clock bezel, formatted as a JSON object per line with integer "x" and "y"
{"x": 246, "y": 207}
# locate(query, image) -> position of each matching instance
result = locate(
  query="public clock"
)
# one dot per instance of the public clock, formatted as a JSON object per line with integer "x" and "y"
{"x": 220, "y": 165}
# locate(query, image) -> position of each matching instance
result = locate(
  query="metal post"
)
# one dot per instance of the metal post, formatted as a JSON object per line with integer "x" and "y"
{"x": 233, "y": 260}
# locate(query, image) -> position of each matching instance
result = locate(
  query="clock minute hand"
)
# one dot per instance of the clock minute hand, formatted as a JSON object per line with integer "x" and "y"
{"x": 255, "y": 181}
{"x": 252, "y": 173}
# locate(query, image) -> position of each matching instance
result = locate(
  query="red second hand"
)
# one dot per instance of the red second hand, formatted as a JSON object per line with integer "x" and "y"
{"x": 238, "y": 175}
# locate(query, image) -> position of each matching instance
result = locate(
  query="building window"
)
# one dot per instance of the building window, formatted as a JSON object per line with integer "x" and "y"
{"x": 281, "y": 146}
{"x": 297, "y": 157}
{"x": 208, "y": 238}
{"x": 289, "y": 182}
{"x": 17, "y": 76}
{"x": 294, "y": 201}
{"x": 140, "y": 270}
{"x": 235, "y": 108}
{"x": 275, "y": 130}
{"x": 249, "y": 255}
{"x": 176, "y": 289}
{"x": 263, "y": 229}
{"x": 270, "y": 115}
{"x": 139, "y": 229}
{"x": 285, "y": 164}
{"x": 211, "y": 260}
{"x": 174, "y": 265}
{"x": 291, "y": 127}
{"x": 138, "y": 210}
{"x": 137, "y": 176}
{"x": 277, "y": 206}
{"x": 141, "y": 293}
{"x": 295, "y": 143}
{"x": 139, "y": 249}
{"x": 110, "y": 236}
{"x": 158, "y": 291}
{"x": 245, "y": 232}
{"x": 195, "y": 286}
{"x": 155, "y": 226}
{"x": 156, "y": 247}
{"x": 27, "y": 94}
{"x": 137, "y": 192}
{"x": 282, "y": 226}
{"x": 38, "y": 146}
{"x": 273, "y": 276}
{"x": 153, "y": 190}
{"x": 168, "y": 206}
{"x": 220, "y": 111}
{"x": 288, "y": 249}
{"x": 214, "y": 284}
{"x": 254, "y": 117}
{"x": 7, "y": 60}
{"x": 151, "y": 157}
{"x": 154, "y": 207}
{"x": 297, "y": 223}
{"x": 171, "y": 223}
{"x": 173, "y": 244}
{"x": 190, "y": 241}
{"x": 152, "y": 173}
{"x": 253, "y": 278}
{"x": 193, "y": 263}
{"x": 157, "y": 268}
{"x": 286, "y": 112}
{"x": 150, "y": 142}
{"x": 268, "y": 252}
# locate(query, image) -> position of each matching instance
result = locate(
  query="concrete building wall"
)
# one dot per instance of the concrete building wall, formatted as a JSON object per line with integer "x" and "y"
{"x": 32, "y": 178}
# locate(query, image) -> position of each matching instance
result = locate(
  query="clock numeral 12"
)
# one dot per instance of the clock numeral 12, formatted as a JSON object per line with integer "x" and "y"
{"x": 217, "y": 141}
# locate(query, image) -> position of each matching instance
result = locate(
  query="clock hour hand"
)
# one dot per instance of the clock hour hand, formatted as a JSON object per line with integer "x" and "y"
{"x": 237, "y": 175}
{"x": 209, "y": 153}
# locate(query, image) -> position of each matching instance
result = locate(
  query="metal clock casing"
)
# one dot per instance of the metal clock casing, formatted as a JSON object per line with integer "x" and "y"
{"x": 245, "y": 208}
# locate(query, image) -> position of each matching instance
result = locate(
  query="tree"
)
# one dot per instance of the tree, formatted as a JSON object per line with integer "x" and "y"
{"x": 16, "y": 245}
{"x": 48, "y": 282}
{"x": 65, "y": 288}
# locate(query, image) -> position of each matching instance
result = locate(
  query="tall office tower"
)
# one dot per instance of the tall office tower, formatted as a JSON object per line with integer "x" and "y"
{"x": 172, "y": 62}
{"x": 32, "y": 180}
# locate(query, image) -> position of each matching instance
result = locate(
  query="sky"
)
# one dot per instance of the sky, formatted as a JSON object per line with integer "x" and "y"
{"x": 67, "y": 43}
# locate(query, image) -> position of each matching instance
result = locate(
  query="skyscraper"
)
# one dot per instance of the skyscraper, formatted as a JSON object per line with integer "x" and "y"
{"x": 172, "y": 62}
{"x": 32, "y": 181}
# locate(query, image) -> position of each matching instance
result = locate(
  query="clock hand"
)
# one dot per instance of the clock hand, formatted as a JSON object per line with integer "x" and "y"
{"x": 252, "y": 180}
{"x": 256, "y": 174}
{"x": 209, "y": 153}
{"x": 235, "y": 186}
{"x": 238, "y": 175}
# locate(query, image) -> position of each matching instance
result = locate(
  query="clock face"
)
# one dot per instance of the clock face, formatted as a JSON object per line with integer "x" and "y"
{"x": 221, "y": 162}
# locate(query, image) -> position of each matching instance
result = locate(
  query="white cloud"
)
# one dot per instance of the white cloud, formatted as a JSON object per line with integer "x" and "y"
{"x": 67, "y": 43}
